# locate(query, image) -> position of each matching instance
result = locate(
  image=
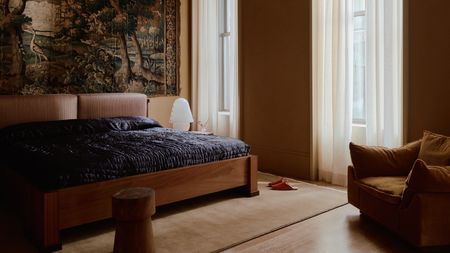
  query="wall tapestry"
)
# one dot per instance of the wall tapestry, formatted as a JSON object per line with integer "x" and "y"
{"x": 89, "y": 46}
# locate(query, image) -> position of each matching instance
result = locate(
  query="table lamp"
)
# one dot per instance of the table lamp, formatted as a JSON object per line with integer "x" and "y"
{"x": 181, "y": 116}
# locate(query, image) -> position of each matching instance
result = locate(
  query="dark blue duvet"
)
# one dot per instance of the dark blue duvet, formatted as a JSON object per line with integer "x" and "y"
{"x": 73, "y": 152}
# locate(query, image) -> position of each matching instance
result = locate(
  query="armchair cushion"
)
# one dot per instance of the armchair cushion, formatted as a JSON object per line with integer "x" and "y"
{"x": 423, "y": 178}
{"x": 389, "y": 185}
{"x": 389, "y": 189}
{"x": 435, "y": 149}
{"x": 380, "y": 161}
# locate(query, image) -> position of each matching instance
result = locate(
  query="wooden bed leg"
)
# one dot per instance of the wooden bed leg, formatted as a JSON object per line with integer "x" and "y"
{"x": 252, "y": 187}
{"x": 45, "y": 220}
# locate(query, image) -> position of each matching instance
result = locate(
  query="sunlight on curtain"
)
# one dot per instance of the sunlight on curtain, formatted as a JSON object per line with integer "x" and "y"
{"x": 384, "y": 73}
{"x": 205, "y": 62}
{"x": 206, "y": 71}
{"x": 332, "y": 88}
{"x": 234, "y": 78}
{"x": 380, "y": 111}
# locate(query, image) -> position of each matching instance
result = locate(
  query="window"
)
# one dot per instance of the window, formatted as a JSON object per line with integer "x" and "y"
{"x": 225, "y": 15}
{"x": 359, "y": 61}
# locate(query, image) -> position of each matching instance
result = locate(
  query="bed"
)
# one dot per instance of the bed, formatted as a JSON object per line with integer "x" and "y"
{"x": 67, "y": 200}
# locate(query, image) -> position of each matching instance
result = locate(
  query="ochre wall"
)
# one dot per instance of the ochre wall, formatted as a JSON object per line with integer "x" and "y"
{"x": 160, "y": 107}
{"x": 275, "y": 77}
{"x": 428, "y": 72}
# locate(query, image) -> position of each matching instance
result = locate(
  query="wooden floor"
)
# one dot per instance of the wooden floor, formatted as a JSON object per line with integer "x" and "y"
{"x": 339, "y": 230}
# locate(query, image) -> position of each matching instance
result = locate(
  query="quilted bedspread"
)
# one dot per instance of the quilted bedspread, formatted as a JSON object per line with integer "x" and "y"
{"x": 67, "y": 153}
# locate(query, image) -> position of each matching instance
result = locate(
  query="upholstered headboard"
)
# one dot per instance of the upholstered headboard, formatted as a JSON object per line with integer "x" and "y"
{"x": 111, "y": 105}
{"x": 20, "y": 109}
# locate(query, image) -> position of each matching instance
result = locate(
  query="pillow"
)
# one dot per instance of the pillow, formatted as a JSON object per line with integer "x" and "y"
{"x": 44, "y": 129}
{"x": 381, "y": 161}
{"x": 435, "y": 149}
{"x": 423, "y": 178}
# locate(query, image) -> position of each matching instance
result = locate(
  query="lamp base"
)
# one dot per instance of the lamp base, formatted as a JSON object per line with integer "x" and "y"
{"x": 181, "y": 126}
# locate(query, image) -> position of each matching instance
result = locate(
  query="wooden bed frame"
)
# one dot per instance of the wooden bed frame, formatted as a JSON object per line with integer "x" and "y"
{"x": 46, "y": 213}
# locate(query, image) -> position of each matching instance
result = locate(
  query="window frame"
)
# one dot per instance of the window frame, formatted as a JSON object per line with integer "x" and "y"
{"x": 361, "y": 13}
{"x": 224, "y": 34}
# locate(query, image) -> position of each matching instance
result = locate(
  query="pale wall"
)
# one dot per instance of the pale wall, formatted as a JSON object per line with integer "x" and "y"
{"x": 160, "y": 107}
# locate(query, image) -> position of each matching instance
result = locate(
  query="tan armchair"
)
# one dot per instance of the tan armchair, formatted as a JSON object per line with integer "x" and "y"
{"x": 398, "y": 190}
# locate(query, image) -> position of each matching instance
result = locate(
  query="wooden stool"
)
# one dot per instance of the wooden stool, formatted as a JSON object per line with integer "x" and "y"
{"x": 133, "y": 208}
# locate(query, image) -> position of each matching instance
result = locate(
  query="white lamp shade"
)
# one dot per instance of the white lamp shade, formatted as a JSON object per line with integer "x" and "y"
{"x": 181, "y": 114}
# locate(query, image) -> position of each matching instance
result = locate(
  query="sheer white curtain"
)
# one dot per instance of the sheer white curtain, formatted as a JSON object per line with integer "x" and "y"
{"x": 384, "y": 73}
{"x": 205, "y": 62}
{"x": 234, "y": 78}
{"x": 332, "y": 88}
{"x": 333, "y": 78}
{"x": 206, "y": 67}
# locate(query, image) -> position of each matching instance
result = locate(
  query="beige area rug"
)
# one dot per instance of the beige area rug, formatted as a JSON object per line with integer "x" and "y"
{"x": 218, "y": 221}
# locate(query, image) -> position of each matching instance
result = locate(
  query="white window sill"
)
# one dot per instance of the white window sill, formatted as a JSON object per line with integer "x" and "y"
{"x": 223, "y": 113}
{"x": 359, "y": 133}
{"x": 359, "y": 125}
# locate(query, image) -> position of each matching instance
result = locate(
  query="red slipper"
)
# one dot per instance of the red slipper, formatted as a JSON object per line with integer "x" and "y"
{"x": 283, "y": 186}
{"x": 277, "y": 182}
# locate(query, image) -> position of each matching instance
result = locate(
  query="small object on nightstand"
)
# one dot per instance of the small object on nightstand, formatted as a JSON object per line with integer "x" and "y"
{"x": 203, "y": 126}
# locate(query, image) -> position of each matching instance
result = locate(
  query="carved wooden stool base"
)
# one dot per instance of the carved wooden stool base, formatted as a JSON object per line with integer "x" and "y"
{"x": 132, "y": 208}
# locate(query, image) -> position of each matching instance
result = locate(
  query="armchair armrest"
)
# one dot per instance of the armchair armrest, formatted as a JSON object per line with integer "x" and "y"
{"x": 352, "y": 187}
{"x": 369, "y": 161}
{"x": 424, "y": 219}
{"x": 423, "y": 178}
